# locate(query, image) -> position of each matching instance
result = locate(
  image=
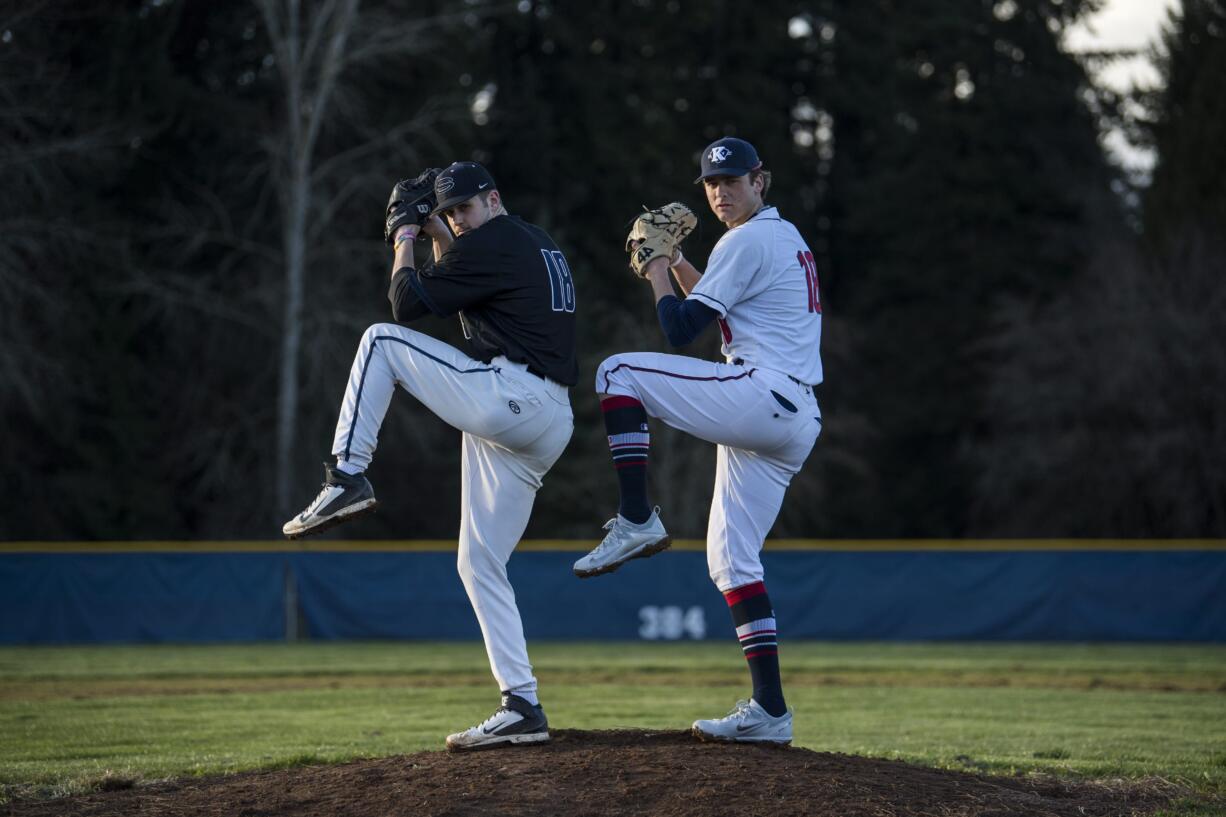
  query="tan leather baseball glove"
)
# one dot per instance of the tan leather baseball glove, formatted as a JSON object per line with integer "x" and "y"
{"x": 658, "y": 233}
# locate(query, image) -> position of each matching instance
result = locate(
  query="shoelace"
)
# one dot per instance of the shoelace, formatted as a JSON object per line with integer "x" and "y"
{"x": 607, "y": 526}
{"x": 490, "y": 720}
{"x": 320, "y": 498}
{"x": 740, "y": 711}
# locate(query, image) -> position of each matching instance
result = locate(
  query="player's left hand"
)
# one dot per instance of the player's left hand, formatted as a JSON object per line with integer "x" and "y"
{"x": 410, "y": 203}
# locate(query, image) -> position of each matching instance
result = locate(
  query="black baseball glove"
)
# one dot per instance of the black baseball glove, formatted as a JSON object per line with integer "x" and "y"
{"x": 410, "y": 203}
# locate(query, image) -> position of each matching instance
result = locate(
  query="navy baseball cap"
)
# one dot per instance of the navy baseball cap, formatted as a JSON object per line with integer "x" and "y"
{"x": 459, "y": 183}
{"x": 728, "y": 157}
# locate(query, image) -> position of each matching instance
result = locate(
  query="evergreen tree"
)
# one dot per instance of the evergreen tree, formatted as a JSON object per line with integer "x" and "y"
{"x": 965, "y": 168}
{"x": 1186, "y": 126}
{"x": 937, "y": 158}
{"x": 1111, "y": 399}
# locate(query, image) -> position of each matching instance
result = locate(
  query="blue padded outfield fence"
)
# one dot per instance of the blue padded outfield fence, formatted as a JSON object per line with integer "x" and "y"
{"x": 1092, "y": 590}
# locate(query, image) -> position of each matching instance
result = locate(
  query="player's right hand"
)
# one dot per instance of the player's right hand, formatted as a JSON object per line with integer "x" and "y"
{"x": 436, "y": 228}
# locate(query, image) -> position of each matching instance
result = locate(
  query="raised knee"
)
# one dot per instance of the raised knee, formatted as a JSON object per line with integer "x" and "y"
{"x": 607, "y": 373}
{"x": 375, "y": 330}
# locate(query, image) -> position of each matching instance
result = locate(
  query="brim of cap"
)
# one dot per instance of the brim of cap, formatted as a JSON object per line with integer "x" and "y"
{"x": 724, "y": 171}
{"x": 450, "y": 201}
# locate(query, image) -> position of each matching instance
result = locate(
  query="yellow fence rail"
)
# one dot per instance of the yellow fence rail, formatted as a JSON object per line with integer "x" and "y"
{"x": 581, "y": 545}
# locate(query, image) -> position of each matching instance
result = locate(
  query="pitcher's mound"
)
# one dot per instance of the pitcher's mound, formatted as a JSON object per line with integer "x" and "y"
{"x": 624, "y": 772}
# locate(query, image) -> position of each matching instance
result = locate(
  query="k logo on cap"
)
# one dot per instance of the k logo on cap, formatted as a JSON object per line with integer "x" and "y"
{"x": 728, "y": 157}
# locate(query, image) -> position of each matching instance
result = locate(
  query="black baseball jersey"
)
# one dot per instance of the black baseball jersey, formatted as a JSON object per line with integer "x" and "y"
{"x": 513, "y": 291}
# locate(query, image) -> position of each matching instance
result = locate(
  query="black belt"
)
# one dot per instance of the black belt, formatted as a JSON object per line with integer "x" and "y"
{"x": 740, "y": 361}
{"x": 533, "y": 370}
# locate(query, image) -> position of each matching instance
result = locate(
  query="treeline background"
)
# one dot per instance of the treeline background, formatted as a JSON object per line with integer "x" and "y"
{"x": 1020, "y": 340}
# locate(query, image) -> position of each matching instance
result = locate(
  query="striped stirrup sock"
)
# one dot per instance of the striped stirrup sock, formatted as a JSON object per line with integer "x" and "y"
{"x": 755, "y": 629}
{"x": 625, "y": 421}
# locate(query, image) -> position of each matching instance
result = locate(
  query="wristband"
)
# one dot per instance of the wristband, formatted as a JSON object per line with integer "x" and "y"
{"x": 673, "y": 262}
{"x": 408, "y": 235}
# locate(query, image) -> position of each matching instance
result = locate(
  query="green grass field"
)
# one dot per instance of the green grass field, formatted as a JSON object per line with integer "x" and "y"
{"x": 73, "y": 717}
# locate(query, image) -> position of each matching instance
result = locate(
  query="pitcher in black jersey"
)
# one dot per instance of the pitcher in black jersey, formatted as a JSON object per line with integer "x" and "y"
{"x": 512, "y": 289}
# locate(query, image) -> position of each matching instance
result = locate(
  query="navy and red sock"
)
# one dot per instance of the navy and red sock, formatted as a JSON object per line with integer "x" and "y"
{"x": 625, "y": 421}
{"x": 754, "y": 620}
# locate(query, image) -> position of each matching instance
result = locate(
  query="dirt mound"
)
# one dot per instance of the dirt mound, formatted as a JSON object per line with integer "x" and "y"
{"x": 664, "y": 774}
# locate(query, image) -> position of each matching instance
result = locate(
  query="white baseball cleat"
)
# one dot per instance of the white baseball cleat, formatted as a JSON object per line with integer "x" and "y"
{"x": 344, "y": 496}
{"x": 747, "y": 723}
{"x": 625, "y": 541}
{"x": 515, "y": 722}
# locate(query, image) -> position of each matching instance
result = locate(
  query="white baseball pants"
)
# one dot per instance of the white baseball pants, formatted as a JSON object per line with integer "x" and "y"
{"x": 763, "y": 423}
{"x": 515, "y": 426}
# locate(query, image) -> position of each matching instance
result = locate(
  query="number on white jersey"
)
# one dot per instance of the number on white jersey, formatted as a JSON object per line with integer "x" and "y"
{"x": 810, "y": 267}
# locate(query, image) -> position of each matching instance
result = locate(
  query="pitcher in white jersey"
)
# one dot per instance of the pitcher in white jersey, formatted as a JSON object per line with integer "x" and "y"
{"x": 758, "y": 407}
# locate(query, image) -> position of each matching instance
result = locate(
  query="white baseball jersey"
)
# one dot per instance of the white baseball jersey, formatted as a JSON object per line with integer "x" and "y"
{"x": 759, "y": 407}
{"x": 762, "y": 280}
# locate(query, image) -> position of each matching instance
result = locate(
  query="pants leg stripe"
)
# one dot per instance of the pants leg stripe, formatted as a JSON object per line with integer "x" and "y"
{"x": 671, "y": 374}
{"x": 357, "y": 401}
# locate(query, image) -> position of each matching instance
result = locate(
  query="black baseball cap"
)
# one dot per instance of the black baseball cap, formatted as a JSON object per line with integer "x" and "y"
{"x": 459, "y": 183}
{"x": 728, "y": 157}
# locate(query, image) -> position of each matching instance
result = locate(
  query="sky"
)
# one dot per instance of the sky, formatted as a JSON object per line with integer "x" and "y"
{"x": 1132, "y": 24}
{"x": 1122, "y": 24}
